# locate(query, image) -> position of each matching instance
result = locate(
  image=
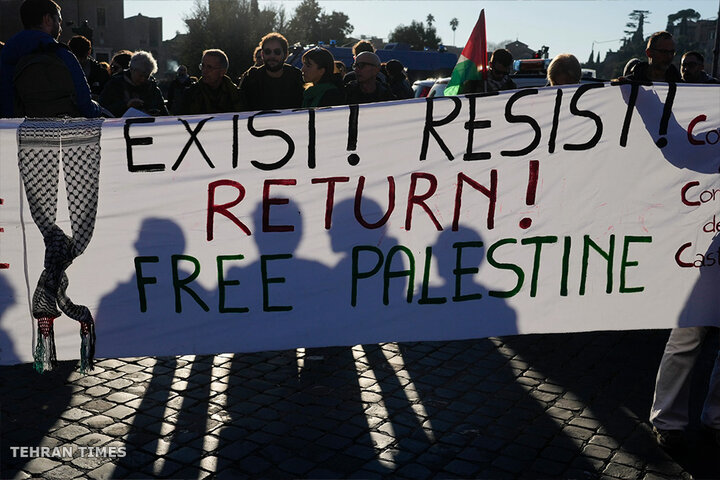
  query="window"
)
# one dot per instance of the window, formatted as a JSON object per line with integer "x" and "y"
{"x": 101, "y": 17}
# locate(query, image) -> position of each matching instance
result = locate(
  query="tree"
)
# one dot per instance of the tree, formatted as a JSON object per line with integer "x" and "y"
{"x": 636, "y": 25}
{"x": 311, "y": 24}
{"x": 453, "y": 25}
{"x": 416, "y": 35}
{"x": 682, "y": 16}
{"x": 430, "y": 19}
{"x": 234, "y": 26}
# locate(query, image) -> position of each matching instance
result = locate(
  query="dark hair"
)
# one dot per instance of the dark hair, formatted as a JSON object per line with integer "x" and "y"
{"x": 362, "y": 46}
{"x": 657, "y": 36}
{"x": 697, "y": 54}
{"x": 276, "y": 37}
{"x": 395, "y": 69}
{"x": 502, "y": 56}
{"x": 323, "y": 59}
{"x": 33, "y": 11}
{"x": 122, "y": 58}
{"x": 80, "y": 46}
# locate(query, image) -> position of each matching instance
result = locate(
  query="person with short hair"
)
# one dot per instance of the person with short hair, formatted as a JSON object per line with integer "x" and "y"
{"x": 120, "y": 61}
{"x": 564, "y": 69}
{"x": 42, "y": 22}
{"x": 135, "y": 88}
{"x": 397, "y": 80}
{"x": 366, "y": 88}
{"x": 96, "y": 75}
{"x": 275, "y": 84}
{"x": 660, "y": 52}
{"x": 214, "y": 92}
{"x": 324, "y": 87}
{"x": 692, "y": 68}
{"x": 498, "y": 77}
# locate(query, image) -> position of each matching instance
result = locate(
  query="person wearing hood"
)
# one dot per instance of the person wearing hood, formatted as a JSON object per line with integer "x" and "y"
{"x": 42, "y": 21}
{"x": 135, "y": 88}
{"x": 323, "y": 87}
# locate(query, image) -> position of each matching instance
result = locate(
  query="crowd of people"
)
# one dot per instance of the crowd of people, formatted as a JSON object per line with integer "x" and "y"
{"x": 128, "y": 82}
{"x": 83, "y": 87}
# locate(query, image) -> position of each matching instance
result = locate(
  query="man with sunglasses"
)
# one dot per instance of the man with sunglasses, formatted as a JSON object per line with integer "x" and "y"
{"x": 366, "y": 88}
{"x": 660, "y": 52}
{"x": 274, "y": 85}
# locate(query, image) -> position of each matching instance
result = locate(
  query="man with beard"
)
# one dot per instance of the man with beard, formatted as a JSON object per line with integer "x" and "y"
{"x": 41, "y": 20}
{"x": 275, "y": 84}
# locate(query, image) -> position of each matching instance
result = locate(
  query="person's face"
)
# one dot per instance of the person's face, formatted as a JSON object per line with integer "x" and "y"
{"x": 311, "y": 72}
{"x": 691, "y": 67}
{"x": 662, "y": 53}
{"x": 365, "y": 72}
{"x": 273, "y": 55}
{"x": 115, "y": 68}
{"x": 138, "y": 77}
{"x": 53, "y": 25}
{"x": 212, "y": 70}
{"x": 498, "y": 71}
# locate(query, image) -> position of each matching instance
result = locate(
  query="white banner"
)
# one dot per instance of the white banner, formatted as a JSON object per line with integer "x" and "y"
{"x": 549, "y": 210}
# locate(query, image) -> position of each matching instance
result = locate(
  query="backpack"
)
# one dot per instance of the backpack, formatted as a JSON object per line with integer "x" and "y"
{"x": 43, "y": 85}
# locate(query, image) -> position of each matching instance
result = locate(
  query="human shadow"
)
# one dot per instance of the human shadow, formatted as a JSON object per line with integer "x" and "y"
{"x": 674, "y": 143}
{"x": 478, "y": 416}
{"x": 172, "y": 417}
{"x": 294, "y": 410}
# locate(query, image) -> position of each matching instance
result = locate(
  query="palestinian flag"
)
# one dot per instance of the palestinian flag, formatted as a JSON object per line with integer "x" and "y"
{"x": 472, "y": 63}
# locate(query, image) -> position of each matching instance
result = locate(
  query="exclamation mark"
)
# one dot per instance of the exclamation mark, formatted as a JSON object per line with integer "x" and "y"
{"x": 667, "y": 110}
{"x": 353, "y": 159}
{"x": 531, "y": 190}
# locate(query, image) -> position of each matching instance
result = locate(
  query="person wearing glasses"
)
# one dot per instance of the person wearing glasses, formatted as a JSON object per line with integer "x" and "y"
{"x": 366, "y": 88}
{"x": 274, "y": 85}
{"x": 660, "y": 52}
{"x": 323, "y": 87}
{"x": 214, "y": 92}
{"x": 134, "y": 88}
{"x": 692, "y": 68}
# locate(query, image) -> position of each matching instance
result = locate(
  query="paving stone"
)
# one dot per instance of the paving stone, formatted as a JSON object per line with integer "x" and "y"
{"x": 98, "y": 391}
{"x": 119, "y": 412}
{"x": 70, "y": 432}
{"x": 624, "y": 472}
{"x": 74, "y": 414}
{"x": 63, "y": 472}
{"x": 40, "y": 465}
{"x": 596, "y": 451}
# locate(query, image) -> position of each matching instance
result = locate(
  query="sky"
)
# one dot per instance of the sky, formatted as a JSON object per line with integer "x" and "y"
{"x": 566, "y": 26}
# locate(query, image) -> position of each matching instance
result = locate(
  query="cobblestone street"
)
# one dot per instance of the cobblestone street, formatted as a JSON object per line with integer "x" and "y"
{"x": 533, "y": 406}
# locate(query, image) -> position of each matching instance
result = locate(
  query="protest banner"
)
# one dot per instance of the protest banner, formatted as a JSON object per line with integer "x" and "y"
{"x": 579, "y": 208}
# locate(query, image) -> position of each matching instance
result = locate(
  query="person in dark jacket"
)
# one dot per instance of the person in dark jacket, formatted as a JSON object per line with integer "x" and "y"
{"x": 214, "y": 92}
{"x": 692, "y": 68}
{"x": 660, "y": 52}
{"x": 324, "y": 87}
{"x": 275, "y": 84}
{"x": 42, "y": 22}
{"x": 397, "y": 80}
{"x": 366, "y": 88}
{"x": 134, "y": 88}
{"x": 97, "y": 76}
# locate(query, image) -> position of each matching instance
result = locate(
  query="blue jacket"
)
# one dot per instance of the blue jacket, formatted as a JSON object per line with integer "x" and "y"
{"x": 26, "y": 42}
